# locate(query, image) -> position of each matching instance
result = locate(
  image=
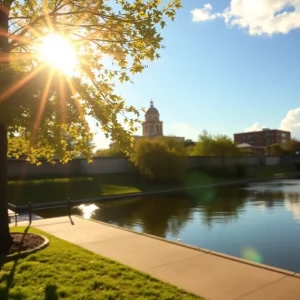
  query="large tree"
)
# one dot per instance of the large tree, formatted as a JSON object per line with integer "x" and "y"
{"x": 41, "y": 104}
{"x": 274, "y": 150}
{"x": 218, "y": 145}
{"x": 291, "y": 147}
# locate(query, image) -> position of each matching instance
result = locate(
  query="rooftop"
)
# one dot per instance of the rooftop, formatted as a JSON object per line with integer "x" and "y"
{"x": 152, "y": 109}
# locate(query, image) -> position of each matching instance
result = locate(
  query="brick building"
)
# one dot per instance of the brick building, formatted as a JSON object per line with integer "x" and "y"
{"x": 263, "y": 138}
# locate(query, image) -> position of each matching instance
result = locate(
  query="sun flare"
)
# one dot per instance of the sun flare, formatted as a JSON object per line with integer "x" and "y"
{"x": 56, "y": 51}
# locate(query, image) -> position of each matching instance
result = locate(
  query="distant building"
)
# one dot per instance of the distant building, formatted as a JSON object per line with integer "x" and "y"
{"x": 152, "y": 126}
{"x": 252, "y": 150}
{"x": 263, "y": 138}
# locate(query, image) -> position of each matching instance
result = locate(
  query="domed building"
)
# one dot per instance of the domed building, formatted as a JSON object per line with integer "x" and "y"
{"x": 152, "y": 125}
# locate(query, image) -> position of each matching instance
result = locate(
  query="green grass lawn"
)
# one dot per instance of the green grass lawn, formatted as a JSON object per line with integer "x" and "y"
{"x": 66, "y": 271}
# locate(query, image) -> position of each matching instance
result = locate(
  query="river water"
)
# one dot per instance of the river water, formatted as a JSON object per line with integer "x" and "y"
{"x": 259, "y": 222}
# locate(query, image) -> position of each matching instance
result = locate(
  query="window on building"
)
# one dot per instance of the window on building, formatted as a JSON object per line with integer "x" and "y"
{"x": 283, "y": 134}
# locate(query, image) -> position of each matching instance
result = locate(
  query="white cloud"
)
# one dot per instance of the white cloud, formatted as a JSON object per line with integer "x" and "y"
{"x": 258, "y": 17}
{"x": 254, "y": 127}
{"x": 182, "y": 129}
{"x": 292, "y": 122}
{"x": 203, "y": 14}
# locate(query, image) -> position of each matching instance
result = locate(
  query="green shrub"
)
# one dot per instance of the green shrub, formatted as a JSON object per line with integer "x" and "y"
{"x": 155, "y": 160}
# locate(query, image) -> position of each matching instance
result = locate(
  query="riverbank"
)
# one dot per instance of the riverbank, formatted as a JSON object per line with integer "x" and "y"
{"x": 43, "y": 190}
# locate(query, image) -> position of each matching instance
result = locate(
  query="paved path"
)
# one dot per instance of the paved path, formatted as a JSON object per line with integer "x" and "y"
{"x": 200, "y": 272}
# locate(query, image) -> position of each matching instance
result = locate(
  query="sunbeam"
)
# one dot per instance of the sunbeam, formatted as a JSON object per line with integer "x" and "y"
{"x": 16, "y": 86}
{"x": 42, "y": 104}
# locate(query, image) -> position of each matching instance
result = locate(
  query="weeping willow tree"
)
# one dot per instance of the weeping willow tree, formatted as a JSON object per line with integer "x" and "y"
{"x": 59, "y": 62}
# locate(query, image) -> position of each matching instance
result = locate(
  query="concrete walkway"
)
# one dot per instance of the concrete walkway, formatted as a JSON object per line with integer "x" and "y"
{"x": 201, "y": 272}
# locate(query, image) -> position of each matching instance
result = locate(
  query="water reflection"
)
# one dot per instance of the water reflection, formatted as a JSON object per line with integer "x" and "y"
{"x": 156, "y": 216}
{"x": 259, "y": 222}
{"x": 275, "y": 198}
{"x": 87, "y": 210}
{"x": 293, "y": 206}
{"x": 161, "y": 215}
{"x": 224, "y": 207}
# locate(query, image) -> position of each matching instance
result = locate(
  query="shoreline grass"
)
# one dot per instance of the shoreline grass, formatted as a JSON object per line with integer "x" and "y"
{"x": 59, "y": 189}
{"x": 66, "y": 271}
{"x": 40, "y": 190}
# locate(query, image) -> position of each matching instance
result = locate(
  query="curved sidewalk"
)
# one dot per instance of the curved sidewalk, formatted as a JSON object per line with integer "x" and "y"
{"x": 205, "y": 273}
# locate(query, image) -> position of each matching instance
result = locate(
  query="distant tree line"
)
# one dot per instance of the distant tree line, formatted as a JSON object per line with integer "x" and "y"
{"x": 164, "y": 158}
{"x": 290, "y": 148}
{"x": 207, "y": 145}
{"x": 210, "y": 145}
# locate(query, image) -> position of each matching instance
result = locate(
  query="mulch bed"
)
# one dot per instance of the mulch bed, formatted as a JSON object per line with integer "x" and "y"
{"x": 24, "y": 242}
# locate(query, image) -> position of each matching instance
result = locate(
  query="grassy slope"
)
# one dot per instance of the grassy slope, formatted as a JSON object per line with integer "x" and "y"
{"x": 47, "y": 190}
{"x": 66, "y": 271}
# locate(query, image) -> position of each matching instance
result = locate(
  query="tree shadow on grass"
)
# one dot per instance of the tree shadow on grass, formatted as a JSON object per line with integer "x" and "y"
{"x": 8, "y": 278}
{"x": 51, "y": 292}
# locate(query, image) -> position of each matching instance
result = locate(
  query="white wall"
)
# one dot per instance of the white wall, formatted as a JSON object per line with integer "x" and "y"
{"x": 271, "y": 161}
{"x": 20, "y": 168}
{"x": 106, "y": 165}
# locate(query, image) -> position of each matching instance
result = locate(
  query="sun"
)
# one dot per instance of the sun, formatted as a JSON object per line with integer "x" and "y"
{"x": 58, "y": 52}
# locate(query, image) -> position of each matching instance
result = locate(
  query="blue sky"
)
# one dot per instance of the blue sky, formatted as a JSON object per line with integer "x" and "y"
{"x": 225, "y": 70}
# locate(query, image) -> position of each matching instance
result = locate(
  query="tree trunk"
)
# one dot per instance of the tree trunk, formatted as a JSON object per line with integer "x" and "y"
{"x": 4, "y": 45}
{"x": 5, "y": 238}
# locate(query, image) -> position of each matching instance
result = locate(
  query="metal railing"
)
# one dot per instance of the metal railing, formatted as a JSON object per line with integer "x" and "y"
{"x": 30, "y": 208}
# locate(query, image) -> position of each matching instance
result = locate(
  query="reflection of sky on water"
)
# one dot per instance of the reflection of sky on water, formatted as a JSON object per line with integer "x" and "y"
{"x": 285, "y": 192}
{"x": 88, "y": 210}
{"x": 288, "y": 185}
{"x": 294, "y": 207}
